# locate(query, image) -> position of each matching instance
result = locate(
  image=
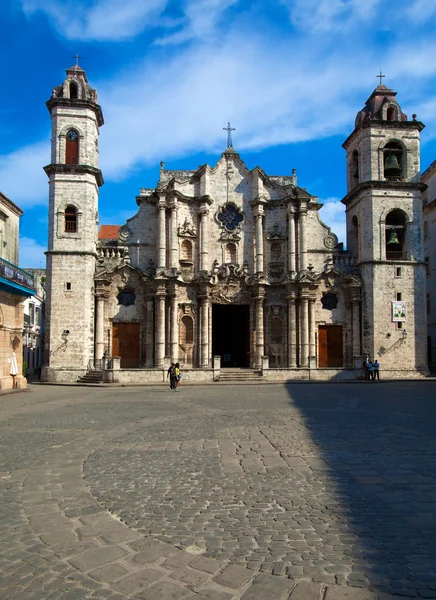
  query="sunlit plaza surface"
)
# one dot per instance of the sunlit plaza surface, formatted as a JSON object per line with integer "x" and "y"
{"x": 219, "y": 492}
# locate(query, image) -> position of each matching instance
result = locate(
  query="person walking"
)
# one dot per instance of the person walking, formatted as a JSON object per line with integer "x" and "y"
{"x": 171, "y": 373}
{"x": 178, "y": 375}
{"x": 376, "y": 370}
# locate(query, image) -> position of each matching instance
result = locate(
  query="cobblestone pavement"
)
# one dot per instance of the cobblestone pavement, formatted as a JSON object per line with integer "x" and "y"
{"x": 301, "y": 492}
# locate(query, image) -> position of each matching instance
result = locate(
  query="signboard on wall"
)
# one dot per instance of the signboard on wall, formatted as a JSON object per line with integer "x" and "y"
{"x": 398, "y": 311}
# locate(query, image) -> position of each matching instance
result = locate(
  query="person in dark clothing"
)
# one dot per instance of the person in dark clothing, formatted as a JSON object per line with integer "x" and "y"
{"x": 376, "y": 370}
{"x": 171, "y": 373}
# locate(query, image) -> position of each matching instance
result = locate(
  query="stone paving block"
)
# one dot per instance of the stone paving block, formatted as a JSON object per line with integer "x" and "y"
{"x": 109, "y": 573}
{"x": 179, "y": 560}
{"x": 234, "y": 577}
{"x": 346, "y": 593}
{"x": 152, "y": 550}
{"x": 164, "y": 591}
{"x": 67, "y": 550}
{"x": 91, "y": 559}
{"x": 265, "y": 586}
{"x": 88, "y": 531}
{"x": 191, "y": 577}
{"x": 209, "y": 565}
{"x": 59, "y": 537}
{"x": 130, "y": 584}
{"x": 307, "y": 591}
{"x": 120, "y": 535}
{"x": 206, "y": 594}
{"x": 39, "y": 508}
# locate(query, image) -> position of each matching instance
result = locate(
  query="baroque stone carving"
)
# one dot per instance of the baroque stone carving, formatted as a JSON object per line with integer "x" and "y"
{"x": 330, "y": 241}
{"x": 187, "y": 230}
{"x": 124, "y": 233}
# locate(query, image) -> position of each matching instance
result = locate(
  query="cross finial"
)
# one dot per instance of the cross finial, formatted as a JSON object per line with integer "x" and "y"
{"x": 229, "y": 135}
{"x": 77, "y": 59}
{"x": 381, "y": 76}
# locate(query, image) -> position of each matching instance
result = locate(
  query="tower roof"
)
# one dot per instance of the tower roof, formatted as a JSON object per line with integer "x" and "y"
{"x": 376, "y": 106}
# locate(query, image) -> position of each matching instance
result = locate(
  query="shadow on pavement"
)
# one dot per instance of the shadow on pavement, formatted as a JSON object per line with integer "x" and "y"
{"x": 377, "y": 447}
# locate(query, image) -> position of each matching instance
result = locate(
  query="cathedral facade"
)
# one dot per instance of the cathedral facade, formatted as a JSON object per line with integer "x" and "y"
{"x": 224, "y": 267}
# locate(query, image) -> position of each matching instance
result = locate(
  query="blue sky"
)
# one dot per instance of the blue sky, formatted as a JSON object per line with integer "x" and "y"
{"x": 290, "y": 75}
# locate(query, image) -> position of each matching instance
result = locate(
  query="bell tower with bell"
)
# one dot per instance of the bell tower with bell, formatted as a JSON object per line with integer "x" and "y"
{"x": 384, "y": 231}
{"x": 74, "y": 181}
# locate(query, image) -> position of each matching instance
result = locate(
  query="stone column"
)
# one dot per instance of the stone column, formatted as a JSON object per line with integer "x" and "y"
{"x": 302, "y": 238}
{"x": 174, "y": 339}
{"x": 312, "y": 329}
{"x": 160, "y": 326}
{"x": 161, "y": 234}
{"x": 149, "y": 333}
{"x": 204, "y": 212}
{"x": 210, "y": 358}
{"x": 99, "y": 326}
{"x": 292, "y": 331}
{"x": 174, "y": 248}
{"x": 292, "y": 240}
{"x": 259, "y": 239}
{"x": 356, "y": 328}
{"x": 204, "y": 342}
{"x": 304, "y": 332}
{"x": 259, "y": 331}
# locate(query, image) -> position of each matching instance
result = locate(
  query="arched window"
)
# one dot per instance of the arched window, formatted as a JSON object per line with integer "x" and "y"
{"x": 74, "y": 91}
{"x": 393, "y": 161}
{"x": 353, "y": 236}
{"x": 230, "y": 254}
{"x": 72, "y": 147}
{"x": 276, "y": 251}
{"x": 186, "y": 250}
{"x": 395, "y": 235}
{"x": 355, "y": 165}
{"x": 391, "y": 114}
{"x": 186, "y": 330}
{"x": 71, "y": 219}
{"x": 425, "y": 231}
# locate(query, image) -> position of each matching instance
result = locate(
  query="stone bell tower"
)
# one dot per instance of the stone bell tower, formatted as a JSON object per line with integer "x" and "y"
{"x": 384, "y": 231}
{"x": 74, "y": 181}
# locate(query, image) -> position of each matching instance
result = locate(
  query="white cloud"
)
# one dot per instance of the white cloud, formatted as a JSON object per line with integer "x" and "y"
{"x": 22, "y": 178}
{"x": 421, "y": 11}
{"x": 201, "y": 20}
{"x": 333, "y": 215}
{"x": 326, "y": 15}
{"x": 31, "y": 254}
{"x": 98, "y": 19}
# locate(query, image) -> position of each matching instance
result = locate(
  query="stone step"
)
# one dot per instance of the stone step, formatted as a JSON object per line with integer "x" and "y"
{"x": 243, "y": 375}
{"x": 91, "y": 377}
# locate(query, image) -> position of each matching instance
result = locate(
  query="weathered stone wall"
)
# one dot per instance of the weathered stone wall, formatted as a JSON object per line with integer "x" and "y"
{"x": 11, "y": 329}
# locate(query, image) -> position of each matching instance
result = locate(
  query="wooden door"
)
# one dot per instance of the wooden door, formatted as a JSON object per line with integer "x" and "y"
{"x": 125, "y": 343}
{"x": 330, "y": 347}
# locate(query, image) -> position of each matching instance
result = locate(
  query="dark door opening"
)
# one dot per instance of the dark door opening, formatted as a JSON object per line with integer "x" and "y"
{"x": 125, "y": 343}
{"x": 330, "y": 350}
{"x": 231, "y": 334}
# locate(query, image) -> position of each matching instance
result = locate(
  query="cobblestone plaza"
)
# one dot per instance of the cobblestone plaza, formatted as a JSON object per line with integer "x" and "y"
{"x": 220, "y": 492}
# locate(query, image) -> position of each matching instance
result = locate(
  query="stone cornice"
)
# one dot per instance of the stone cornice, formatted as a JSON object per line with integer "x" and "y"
{"x": 76, "y": 103}
{"x": 383, "y": 185}
{"x": 61, "y": 169}
{"x": 379, "y": 124}
{"x": 13, "y": 207}
{"x": 71, "y": 252}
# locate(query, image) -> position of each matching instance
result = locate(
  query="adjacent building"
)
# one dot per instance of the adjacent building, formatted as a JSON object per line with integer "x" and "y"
{"x": 33, "y": 333}
{"x": 429, "y": 230}
{"x": 15, "y": 286}
{"x": 229, "y": 267}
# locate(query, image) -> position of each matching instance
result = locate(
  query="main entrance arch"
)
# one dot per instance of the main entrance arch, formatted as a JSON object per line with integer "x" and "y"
{"x": 231, "y": 334}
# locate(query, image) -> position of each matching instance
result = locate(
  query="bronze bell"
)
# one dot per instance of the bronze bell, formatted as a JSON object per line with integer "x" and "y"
{"x": 393, "y": 238}
{"x": 392, "y": 167}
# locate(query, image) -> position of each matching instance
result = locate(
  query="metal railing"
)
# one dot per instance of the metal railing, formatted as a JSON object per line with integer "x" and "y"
{"x": 395, "y": 255}
{"x": 15, "y": 274}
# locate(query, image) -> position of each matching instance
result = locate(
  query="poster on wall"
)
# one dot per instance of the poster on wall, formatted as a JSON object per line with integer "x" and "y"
{"x": 398, "y": 311}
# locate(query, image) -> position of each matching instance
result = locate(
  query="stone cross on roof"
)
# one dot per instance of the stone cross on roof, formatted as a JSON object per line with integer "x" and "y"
{"x": 229, "y": 135}
{"x": 381, "y": 76}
